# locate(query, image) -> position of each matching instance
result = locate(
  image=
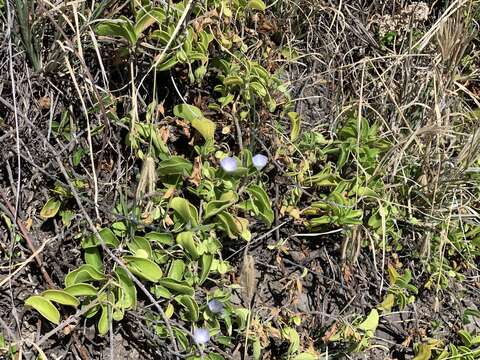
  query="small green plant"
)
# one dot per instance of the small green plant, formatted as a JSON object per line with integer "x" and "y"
{"x": 359, "y": 332}
{"x": 401, "y": 292}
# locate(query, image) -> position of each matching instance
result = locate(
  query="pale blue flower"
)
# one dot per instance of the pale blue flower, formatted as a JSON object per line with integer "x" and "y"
{"x": 229, "y": 164}
{"x": 201, "y": 336}
{"x": 259, "y": 161}
{"x": 215, "y": 306}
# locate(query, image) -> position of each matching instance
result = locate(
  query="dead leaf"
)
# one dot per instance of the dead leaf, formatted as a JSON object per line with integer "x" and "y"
{"x": 347, "y": 274}
{"x": 185, "y": 127}
{"x": 196, "y": 176}
{"x": 161, "y": 109}
{"x": 164, "y": 133}
{"x": 407, "y": 341}
{"x": 44, "y": 102}
{"x": 330, "y": 332}
{"x": 168, "y": 221}
{"x": 170, "y": 191}
{"x": 28, "y": 224}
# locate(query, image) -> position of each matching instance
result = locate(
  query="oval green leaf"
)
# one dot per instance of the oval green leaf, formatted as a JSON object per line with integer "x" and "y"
{"x": 50, "y": 209}
{"x": 187, "y": 112}
{"x": 186, "y": 241}
{"x": 180, "y": 287}
{"x": 81, "y": 290}
{"x": 60, "y": 297}
{"x": 257, "y": 5}
{"x": 44, "y": 307}
{"x": 144, "y": 268}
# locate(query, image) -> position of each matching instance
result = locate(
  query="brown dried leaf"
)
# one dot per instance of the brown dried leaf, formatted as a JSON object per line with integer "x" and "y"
{"x": 164, "y": 133}
{"x": 196, "y": 176}
{"x": 247, "y": 278}
{"x": 44, "y": 102}
{"x": 169, "y": 193}
{"x": 185, "y": 127}
{"x": 330, "y": 332}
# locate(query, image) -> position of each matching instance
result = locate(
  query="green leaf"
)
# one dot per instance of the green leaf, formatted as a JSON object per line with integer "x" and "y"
{"x": 257, "y": 5}
{"x": 185, "y": 210}
{"x": 147, "y": 16}
{"x": 93, "y": 257}
{"x": 186, "y": 241}
{"x": 295, "y": 125}
{"x": 44, "y": 307}
{"x": 175, "y": 165}
{"x": 167, "y": 64}
{"x": 50, "y": 209}
{"x": 205, "y": 127}
{"x": 205, "y": 266}
{"x": 466, "y": 337}
{"x": 262, "y": 203}
{"x": 143, "y": 268}
{"x": 187, "y": 112}
{"x": 293, "y": 338}
{"x": 256, "y": 348}
{"x": 424, "y": 352}
{"x": 121, "y": 27}
{"x": 387, "y": 303}
{"x": 81, "y": 290}
{"x": 161, "y": 238}
{"x": 216, "y": 206}
{"x": 242, "y": 317}
{"x": 228, "y": 223}
{"x": 371, "y": 322}
{"x": 258, "y": 88}
{"x": 180, "y": 287}
{"x": 233, "y": 80}
{"x": 108, "y": 237}
{"x": 177, "y": 268}
{"x": 84, "y": 273}
{"x": 61, "y": 297}
{"x": 140, "y": 247}
{"x": 190, "y": 304}
{"x": 103, "y": 321}
{"x": 128, "y": 294}
{"x": 161, "y": 291}
{"x": 67, "y": 217}
{"x": 306, "y": 356}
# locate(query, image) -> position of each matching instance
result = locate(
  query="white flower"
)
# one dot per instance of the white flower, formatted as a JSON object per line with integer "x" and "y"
{"x": 201, "y": 336}
{"x": 259, "y": 161}
{"x": 215, "y": 306}
{"x": 229, "y": 164}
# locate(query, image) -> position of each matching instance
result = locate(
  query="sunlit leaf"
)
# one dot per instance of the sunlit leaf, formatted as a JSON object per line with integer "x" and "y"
{"x": 103, "y": 321}
{"x": 50, "y": 209}
{"x": 187, "y": 112}
{"x": 295, "y": 125}
{"x": 143, "y": 268}
{"x": 205, "y": 127}
{"x": 44, "y": 307}
{"x": 81, "y": 290}
{"x": 187, "y": 242}
{"x": 61, "y": 297}
{"x": 185, "y": 210}
{"x": 205, "y": 266}
{"x": 180, "y": 287}
{"x": 257, "y": 5}
{"x": 190, "y": 304}
{"x": 128, "y": 298}
{"x": 371, "y": 322}
{"x": 84, "y": 273}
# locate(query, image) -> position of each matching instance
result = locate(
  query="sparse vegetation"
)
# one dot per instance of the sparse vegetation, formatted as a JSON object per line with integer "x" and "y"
{"x": 239, "y": 179}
